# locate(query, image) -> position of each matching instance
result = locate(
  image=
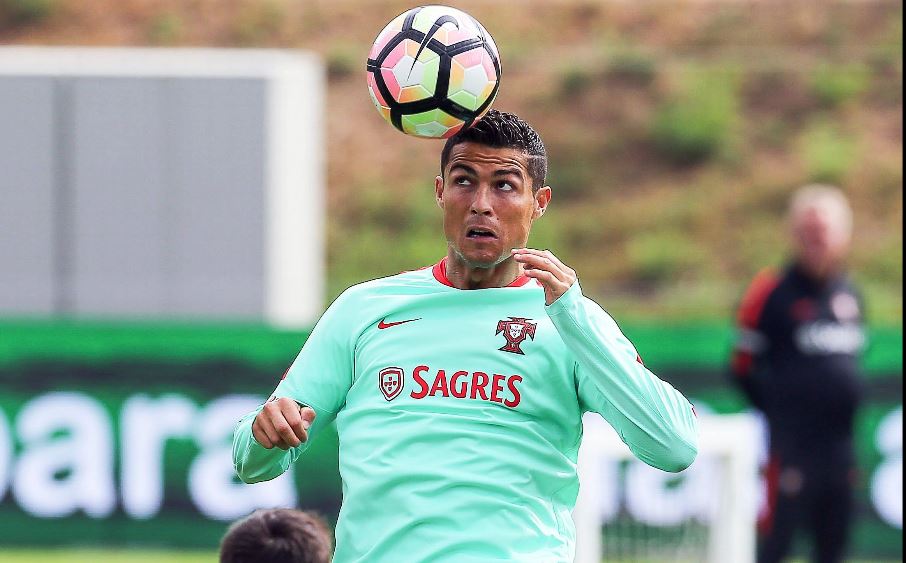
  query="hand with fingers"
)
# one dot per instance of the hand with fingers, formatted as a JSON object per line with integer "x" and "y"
{"x": 553, "y": 275}
{"x": 282, "y": 423}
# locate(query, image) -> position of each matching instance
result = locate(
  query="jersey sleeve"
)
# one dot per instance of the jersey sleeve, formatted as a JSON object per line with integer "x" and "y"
{"x": 652, "y": 418}
{"x": 751, "y": 340}
{"x": 319, "y": 377}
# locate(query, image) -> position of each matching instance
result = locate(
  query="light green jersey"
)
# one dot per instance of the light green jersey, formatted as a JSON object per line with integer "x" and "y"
{"x": 459, "y": 415}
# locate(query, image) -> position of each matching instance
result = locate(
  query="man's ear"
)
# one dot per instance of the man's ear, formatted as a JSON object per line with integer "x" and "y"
{"x": 542, "y": 199}
{"x": 439, "y": 191}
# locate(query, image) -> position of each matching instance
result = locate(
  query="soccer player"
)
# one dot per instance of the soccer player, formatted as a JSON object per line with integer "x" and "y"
{"x": 278, "y": 535}
{"x": 458, "y": 390}
{"x": 796, "y": 359}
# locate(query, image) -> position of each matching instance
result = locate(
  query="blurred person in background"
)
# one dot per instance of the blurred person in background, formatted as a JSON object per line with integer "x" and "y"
{"x": 796, "y": 360}
{"x": 278, "y": 535}
{"x": 458, "y": 389}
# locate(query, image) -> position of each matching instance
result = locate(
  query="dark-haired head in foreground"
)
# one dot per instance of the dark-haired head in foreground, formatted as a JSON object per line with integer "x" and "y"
{"x": 279, "y": 535}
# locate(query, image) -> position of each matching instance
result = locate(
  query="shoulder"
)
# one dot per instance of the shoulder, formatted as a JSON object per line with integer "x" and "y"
{"x": 764, "y": 283}
{"x": 363, "y": 303}
{"x": 757, "y": 295}
{"x": 413, "y": 282}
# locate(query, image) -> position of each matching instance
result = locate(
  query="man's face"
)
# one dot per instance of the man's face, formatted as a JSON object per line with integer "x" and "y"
{"x": 821, "y": 240}
{"x": 488, "y": 202}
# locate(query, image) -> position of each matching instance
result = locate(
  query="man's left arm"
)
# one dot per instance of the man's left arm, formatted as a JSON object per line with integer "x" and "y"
{"x": 651, "y": 417}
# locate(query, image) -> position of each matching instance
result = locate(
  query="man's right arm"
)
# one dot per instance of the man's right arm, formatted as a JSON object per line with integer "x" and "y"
{"x": 269, "y": 439}
{"x": 255, "y": 463}
{"x": 751, "y": 341}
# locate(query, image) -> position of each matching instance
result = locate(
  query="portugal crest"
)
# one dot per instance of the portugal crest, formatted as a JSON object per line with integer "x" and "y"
{"x": 515, "y": 331}
{"x": 390, "y": 381}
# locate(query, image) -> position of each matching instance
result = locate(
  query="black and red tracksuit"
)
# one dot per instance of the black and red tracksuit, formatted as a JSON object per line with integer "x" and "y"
{"x": 796, "y": 359}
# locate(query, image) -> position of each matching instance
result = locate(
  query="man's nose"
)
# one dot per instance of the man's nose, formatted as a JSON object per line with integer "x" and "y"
{"x": 481, "y": 203}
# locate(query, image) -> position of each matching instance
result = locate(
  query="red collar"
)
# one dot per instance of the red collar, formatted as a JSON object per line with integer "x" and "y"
{"x": 440, "y": 274}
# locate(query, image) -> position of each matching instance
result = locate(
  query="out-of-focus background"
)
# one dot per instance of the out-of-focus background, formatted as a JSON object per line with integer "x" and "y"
{"x": 173, "y": 222}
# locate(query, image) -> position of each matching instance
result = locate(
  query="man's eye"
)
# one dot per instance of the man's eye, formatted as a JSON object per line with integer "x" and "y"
{"x": 506, "y": 186}
{"x": 462, "y": 181}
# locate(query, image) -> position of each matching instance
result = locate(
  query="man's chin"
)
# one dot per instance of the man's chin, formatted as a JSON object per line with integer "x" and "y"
{"x": 483, "y": 260}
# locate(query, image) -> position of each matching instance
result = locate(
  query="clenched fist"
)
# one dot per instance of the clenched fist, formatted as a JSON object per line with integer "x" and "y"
{"x": 282, "y": 423}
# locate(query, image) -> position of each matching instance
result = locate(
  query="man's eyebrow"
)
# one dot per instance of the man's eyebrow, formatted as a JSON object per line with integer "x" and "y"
{"x": 465, "y": 167}
{"x": 508, "y": 171}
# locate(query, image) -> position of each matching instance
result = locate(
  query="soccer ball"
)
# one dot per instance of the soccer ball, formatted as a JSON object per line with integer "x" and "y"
{"x": 432, "y": 71}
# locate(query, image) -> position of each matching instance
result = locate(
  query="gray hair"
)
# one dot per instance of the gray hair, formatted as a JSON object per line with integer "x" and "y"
{"x": 827, "y": 197}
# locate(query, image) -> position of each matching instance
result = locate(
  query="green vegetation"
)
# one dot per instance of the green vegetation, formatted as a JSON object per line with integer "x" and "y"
{"x": 676, "y": 132}
{"x": 632, "y": 66}
{"x": 26, "y": 12}
{"x": 259, "y": 22}
{"x": 165, "y": 29}
{"x": 342, "y": 61}
{"x": 835, "y": 85}
{"x": 574, "y": 80}
{"x": 663, "y": 255}
{"x": 693, "y": 125}
{"x": 828, "y": 151}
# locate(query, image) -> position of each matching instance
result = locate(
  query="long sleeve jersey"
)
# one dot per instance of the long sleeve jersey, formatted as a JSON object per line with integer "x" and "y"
{"x": 459, "y": 416}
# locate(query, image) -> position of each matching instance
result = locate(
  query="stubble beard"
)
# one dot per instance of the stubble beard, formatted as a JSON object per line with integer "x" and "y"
{"x": 483, "y": 265}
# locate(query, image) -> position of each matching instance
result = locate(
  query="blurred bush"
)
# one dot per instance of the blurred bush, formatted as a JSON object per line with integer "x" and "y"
{"x": 834, "y": 85}
{"x": 344, "y": 60}
{"x": 260, "y": 22}
{"x": 21, "y": 12}
{"x": 165, "y": 29}
{"x": 694, "y": 124}
{"x": 632, "y": 66}
{"x": 575, "y": 80}
{"x": 828, "y": 151}
{"x": 662, "y": 256}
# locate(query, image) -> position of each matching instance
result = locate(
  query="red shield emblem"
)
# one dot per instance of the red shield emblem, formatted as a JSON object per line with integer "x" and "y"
{"x": 390, "y": 380}
{"x": 515, "y": 331}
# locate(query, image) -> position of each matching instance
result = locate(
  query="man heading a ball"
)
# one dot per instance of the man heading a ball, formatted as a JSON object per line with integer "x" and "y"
{"x": 458, "y": 389}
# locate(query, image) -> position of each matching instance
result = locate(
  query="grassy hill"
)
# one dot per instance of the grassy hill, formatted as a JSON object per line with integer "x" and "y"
{"x": 676, "y": 130}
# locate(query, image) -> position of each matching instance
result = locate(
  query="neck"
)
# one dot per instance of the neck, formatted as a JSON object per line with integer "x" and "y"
{"x": 462, "y": 275}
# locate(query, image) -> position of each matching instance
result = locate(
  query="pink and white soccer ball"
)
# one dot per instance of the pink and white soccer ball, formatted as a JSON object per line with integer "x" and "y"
{"x": 432, "y": 71}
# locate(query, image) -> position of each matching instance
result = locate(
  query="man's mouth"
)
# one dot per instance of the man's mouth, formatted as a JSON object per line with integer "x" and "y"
{"x": 480, "y": 233}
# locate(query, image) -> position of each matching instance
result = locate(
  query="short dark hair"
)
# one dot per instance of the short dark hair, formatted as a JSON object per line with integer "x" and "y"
{"x": 277, "y": 535}
{"x": 499, "y": 129}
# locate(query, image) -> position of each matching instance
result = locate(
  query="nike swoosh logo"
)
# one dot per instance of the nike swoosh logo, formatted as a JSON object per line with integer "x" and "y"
{"x": 382, "y": 325}
{"x": 438, "y": 23}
